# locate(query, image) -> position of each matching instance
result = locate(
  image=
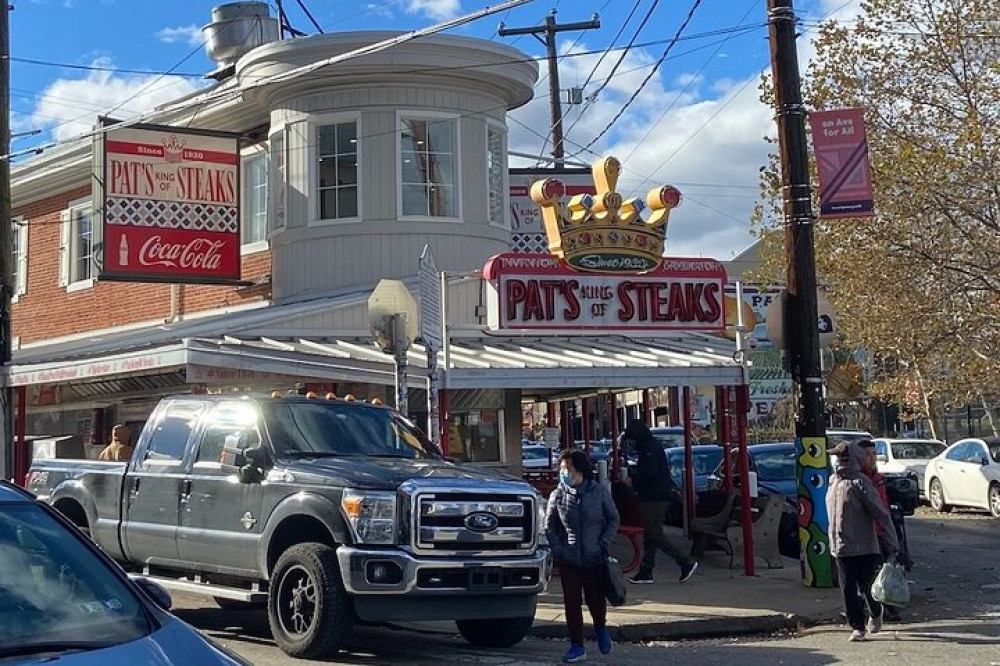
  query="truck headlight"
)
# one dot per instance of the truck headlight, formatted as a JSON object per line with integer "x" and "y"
{"x": 371, "y": 515}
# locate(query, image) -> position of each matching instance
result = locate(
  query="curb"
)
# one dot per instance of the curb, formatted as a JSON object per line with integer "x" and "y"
{"x": 716, "y": 627}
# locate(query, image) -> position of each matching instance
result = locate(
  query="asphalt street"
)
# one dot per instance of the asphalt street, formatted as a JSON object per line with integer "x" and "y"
{"x": 953, "y": 620}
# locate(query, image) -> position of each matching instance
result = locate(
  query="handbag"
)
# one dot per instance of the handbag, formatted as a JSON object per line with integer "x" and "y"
{"x": 890, "y": 586}
{"x": 614, "y": 581}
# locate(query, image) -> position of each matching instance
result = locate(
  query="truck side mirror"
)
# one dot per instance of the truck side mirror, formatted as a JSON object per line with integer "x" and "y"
{"x": 250, "y": 474}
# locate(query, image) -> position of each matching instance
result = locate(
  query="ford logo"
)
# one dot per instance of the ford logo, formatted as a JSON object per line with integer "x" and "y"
{"x": 481, "y": 521}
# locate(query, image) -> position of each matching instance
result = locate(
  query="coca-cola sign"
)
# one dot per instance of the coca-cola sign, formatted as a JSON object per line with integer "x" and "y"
{"x": 171, "y": 205}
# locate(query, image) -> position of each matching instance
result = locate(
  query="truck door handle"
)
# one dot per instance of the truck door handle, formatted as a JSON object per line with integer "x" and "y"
{"x": 135, "y": 486}
{"x": 185, "y": 490}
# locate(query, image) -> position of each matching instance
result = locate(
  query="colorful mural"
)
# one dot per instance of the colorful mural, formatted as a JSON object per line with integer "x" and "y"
{"x": 814, "y": 477}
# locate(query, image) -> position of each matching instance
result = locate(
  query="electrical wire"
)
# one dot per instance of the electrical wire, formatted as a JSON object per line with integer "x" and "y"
{"x": 629, "y": 46}
{"x": 652, "y": 73}
{"x": 101, "y": 68}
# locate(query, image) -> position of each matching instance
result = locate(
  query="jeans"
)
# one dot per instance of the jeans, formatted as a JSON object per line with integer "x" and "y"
{"x": 654, "y": 537}
{"x": 578, "y": 584}
{"x": 857, "y": 573}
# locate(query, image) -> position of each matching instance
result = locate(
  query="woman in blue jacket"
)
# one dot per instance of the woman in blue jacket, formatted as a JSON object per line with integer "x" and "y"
{"x": 580, "y": 523}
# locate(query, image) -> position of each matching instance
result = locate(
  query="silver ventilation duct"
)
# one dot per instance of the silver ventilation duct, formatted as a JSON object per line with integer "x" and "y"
{"x": 236, "y": 29}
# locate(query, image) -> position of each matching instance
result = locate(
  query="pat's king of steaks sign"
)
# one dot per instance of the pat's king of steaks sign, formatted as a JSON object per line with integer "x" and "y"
{"x": 606, "y": 272}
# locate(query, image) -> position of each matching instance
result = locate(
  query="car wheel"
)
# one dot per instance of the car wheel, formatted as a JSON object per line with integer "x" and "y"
{"x": 994, "y": 497}
{"x": 937, "y": 497}
{"x": 502, "y": 633}
{"x": 308, "y": 609}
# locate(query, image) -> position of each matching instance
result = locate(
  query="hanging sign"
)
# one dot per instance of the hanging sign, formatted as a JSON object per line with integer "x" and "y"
{"x": 841, "y": 148}
{"x": 170, "y": 205}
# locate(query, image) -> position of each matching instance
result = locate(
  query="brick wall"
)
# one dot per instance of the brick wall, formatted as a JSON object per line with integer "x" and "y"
{"x": 46, "y": 310}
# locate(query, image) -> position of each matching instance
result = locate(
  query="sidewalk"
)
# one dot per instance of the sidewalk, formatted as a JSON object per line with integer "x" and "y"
{"x": 717, "y": 601}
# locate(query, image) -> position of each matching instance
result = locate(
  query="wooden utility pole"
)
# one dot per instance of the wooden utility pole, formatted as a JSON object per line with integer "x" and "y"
{"x": 6, "y": 254}
{"x": 550, "y": 28}
{"x": 800, "y": 311}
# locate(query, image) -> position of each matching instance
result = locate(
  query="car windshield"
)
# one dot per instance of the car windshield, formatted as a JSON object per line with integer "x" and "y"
{"x": 669, "y": 440}
{"x": 534, "y": 453}
{"x": 916, "y": 450}
{"x": 56, "y": 595}
{"x": 775, "y": 465}
{"x": 331, "y": 428}
{"x": 706, "y": 459}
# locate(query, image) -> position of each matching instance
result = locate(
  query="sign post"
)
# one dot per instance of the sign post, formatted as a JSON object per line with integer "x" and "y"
{"x": 392, "y": 316}
{"x": 430, "y": 334}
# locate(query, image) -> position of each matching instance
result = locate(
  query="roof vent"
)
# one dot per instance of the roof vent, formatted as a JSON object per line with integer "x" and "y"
{"x": 236, "y": 29}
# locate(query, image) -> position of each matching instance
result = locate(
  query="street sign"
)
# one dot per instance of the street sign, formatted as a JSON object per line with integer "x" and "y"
{"x": 430, "y": 301}
{"x": 552, "y": 437}
{"x": 391, "y": 297}
{"x": 775, "y": 316}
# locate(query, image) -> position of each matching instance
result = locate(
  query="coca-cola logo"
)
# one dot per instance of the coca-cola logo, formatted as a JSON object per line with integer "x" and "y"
{"x": 195, "y": 254}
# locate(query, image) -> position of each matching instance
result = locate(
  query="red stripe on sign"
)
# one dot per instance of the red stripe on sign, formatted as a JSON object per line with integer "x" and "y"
{"x": 187, "y": 154}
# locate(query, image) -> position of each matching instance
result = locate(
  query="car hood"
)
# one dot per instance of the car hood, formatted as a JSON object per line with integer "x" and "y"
{"x": 174, "y": 643}
{"x": 388, "y": 473}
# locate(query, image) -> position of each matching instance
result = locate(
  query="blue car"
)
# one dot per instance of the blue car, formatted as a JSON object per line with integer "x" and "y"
{"x": 63, "y": 600}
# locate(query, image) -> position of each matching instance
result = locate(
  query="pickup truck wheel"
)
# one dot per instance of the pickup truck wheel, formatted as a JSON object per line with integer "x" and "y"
{"x": 502, "y": 633}
{"x": 237, "y": 605}
{"x": 308, "y": 609}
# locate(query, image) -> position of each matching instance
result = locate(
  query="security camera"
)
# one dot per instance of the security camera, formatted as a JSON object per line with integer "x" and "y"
{"x": 752, "y": 342}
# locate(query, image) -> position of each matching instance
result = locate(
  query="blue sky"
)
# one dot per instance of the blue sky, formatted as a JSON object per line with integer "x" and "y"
{"x": 697, "y": 122}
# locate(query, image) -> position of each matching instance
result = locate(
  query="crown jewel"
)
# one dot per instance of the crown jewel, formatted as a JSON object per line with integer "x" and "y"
{"x": 602, "y": 232}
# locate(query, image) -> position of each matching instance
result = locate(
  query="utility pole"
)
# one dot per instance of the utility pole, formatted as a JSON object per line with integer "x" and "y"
{"x": 6, "y": 253}
{"x": 550, "y": 28}
{"x": 801, "y": 312}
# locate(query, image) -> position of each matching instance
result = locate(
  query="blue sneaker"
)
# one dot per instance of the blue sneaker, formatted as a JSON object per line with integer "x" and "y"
{"x": 604, "y": 643}
{"x": 574, "y": 654}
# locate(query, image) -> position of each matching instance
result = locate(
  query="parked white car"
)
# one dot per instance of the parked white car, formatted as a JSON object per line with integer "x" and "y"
{"x": 907, "y": 455}
{"x": 966, "y": 474}
{"x": 536, "y": 456}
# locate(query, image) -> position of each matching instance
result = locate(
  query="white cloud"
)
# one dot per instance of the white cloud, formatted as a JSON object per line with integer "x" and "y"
{"x": 717, "y": 169}
{"x": 190, "y": 34}
{"x": 435, "y": 9}
{"x": 70, "y": 107}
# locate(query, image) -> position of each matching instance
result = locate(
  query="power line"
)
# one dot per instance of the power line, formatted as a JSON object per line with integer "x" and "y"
{"x": 629, "y": 46}
{"x": 652, "y": 72}
{"x": 101, "y": 68}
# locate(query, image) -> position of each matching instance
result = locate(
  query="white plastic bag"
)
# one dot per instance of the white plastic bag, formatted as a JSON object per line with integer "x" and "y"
{"x": 890, "y": 586}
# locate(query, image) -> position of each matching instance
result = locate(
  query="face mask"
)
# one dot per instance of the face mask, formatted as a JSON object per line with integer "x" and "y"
{"x": 565, "y": 477}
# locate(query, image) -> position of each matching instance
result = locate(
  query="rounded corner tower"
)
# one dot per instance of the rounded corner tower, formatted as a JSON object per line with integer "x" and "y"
{"x": 374, "y": 156}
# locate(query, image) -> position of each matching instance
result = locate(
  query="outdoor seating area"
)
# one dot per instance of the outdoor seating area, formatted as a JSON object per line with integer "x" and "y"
{"x": 723, "y": 529}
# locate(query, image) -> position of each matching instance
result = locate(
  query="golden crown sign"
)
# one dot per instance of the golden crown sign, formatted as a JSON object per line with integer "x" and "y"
{"x": 601, "y": 232}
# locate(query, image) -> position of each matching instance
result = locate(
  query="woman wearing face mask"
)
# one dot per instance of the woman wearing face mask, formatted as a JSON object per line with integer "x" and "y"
{"x": 580, "y": 523}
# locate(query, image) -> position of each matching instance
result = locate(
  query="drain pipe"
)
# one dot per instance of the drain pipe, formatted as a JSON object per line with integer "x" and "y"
{"x": 175, "y": 304}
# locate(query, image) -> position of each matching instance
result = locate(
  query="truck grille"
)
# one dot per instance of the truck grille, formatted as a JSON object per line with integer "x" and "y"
{"x": 473, "y": 522}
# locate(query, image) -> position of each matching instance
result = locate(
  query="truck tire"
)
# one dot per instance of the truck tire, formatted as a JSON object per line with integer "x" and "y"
{"x": 502, "y": 633}
{"x": 237, "y": 605}
{"x": 308, "y": 609}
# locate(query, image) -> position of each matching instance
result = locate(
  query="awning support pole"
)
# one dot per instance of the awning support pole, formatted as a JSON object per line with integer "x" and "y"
{"x": 742, "y": 402}
{"x": 689, "y": 495}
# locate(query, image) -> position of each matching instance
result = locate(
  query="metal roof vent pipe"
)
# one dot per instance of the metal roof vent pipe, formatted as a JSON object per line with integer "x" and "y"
{"x": 236, "y": 29}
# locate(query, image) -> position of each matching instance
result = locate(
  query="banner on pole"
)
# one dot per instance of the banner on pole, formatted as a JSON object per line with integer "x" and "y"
{"x": 841, "y": 150}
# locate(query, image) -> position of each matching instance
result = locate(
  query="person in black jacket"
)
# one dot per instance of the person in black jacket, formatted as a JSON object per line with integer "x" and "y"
{"x": 652, "y": 484}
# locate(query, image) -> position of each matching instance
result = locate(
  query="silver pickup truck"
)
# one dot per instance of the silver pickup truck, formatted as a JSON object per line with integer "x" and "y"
{"x": 327, "y": 511}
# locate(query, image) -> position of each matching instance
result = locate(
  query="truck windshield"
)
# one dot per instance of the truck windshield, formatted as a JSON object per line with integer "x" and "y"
{"x": 55, "y": 594}
{"x": 329, "y": 428}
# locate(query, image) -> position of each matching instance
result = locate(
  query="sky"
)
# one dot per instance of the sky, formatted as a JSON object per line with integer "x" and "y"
{"x": 697, "y": 122}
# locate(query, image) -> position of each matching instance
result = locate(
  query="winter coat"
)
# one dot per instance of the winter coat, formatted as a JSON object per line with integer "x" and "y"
{"x": 652, "y": 473}
{"x": 580, "y": 523}
{"x": 855, "y": 508}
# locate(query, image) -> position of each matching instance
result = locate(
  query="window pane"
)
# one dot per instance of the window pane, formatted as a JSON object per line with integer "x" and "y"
{"x": 347, "y": 170}
{"x": 347, "y": 138}
{"x": 495, "y": 175}
{"x": 254, "y": 199}
{"x": 278, "y": 175}
{"x": 82, "y": 244}
{"x": 328, "y": 204}
{"x": 414, "y": 135}
{"x": 327, "y": 171}
{"x": 411, "y": 168}
{"x": 414, "y": 200}
{"x": 441, "y": 136}
{"x": 328, "y": 140}
{"x": 439, "y": 169}
{"x": 442, "y": 201}
{"x": 347, "y": 202}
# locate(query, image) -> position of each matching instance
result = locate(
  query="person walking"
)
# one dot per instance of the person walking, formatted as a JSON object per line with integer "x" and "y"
{"x": 581, "y": 521}
{"x": 855, "y": 509}
{"x": 652, "y": 485}
{"x": 119, "y": 450}
{"x": 871, "y": 471}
